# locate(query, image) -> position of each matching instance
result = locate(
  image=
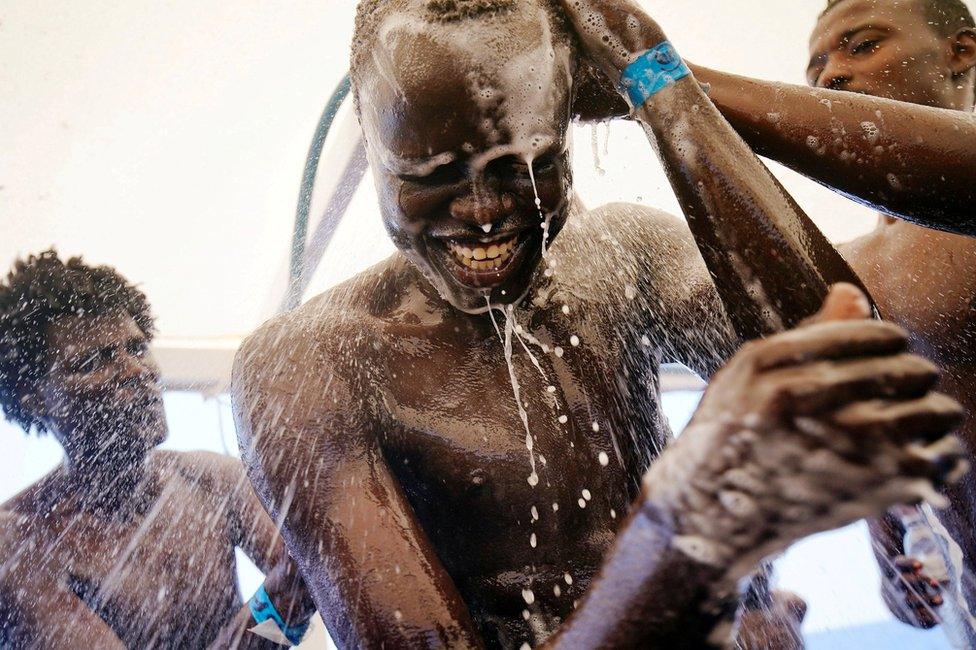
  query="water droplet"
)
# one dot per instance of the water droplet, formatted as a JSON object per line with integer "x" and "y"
{"x": 533, "y": 479}
{"x": 586, "y": 494}
{"x": 630, "y": 292}
{"x": 529, "y": 596}
{"x": 535, "y": 513}
{"x": 526, "y": 615}
{"x": 603, "y": 458}
{"x": 596, "y": 426}
{"x": 563, "y": 419}
{"x": 582, "y": 503}
{"x": 568, "y": 578}
{"x": 551, "y": 389}
{"x": 558, "y": 351}
{"x": 613, "y": 513}
{"x": 566, "y": 309}
{"x": 533, "y": 542}
{"x": 557, "y": 592}
{"x": 574, "y": 340}
{"x": 486, "y": 227}
{"x": 555, "y": 507}
{"x": 398, "y": 615}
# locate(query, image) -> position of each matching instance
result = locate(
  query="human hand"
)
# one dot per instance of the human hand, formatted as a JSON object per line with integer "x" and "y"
{"x": 910, "y": 593}
{"x": 802, "y": 432}
{"x": 613, "y": 32}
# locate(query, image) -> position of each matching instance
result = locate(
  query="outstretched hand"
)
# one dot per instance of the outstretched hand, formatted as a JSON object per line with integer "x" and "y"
{"x": 806, "y": 431}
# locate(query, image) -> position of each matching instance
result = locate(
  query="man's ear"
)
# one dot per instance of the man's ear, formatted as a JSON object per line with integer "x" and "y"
{"x": 963, "y": 55}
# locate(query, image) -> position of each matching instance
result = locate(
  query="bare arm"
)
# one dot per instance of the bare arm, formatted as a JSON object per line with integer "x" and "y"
{"x": 912, "y": 161}
{"x": 312, "y": 452}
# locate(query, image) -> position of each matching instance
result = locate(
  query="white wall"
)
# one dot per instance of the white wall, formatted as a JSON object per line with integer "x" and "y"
{"x": 168, "y": 138}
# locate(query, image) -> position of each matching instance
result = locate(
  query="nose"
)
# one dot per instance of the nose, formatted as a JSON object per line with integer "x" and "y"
{"x": 836, "y": 74}
{"x": 482, "y": 207}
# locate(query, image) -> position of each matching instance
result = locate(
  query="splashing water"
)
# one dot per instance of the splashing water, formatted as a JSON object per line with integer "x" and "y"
{"x": 595, "y": 146}
{"x": 533, "y": 478}
{"x": 545, "y": 217}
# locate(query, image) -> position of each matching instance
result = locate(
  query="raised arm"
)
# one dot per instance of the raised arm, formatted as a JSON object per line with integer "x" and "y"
{"x": 912, "y": 161}
{"x": 311, "y": 449}
{"x": 771, "y": 265}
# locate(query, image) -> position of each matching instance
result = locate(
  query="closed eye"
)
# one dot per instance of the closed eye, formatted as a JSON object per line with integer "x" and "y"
{"x": 442, "y": 175}
{"x": 867, "y": 45}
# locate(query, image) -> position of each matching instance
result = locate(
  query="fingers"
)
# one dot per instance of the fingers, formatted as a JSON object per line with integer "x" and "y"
{"x": 926, "y": 418}
{"x": 919, "y": 593}
{"x": 612, "y": 31}
{"x": 825, "y": 385}
{"x": 843, "y": 302}
{"x": 828, "y": 340}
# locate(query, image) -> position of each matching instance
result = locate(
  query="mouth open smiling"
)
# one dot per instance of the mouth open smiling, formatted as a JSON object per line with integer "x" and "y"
{"x": 484, "y": 263}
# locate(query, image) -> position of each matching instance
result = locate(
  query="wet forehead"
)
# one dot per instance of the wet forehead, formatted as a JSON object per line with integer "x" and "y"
{"x": 462, "y": 88}
{"x": 72, "y": 336}
{"x": 852, "y": 15}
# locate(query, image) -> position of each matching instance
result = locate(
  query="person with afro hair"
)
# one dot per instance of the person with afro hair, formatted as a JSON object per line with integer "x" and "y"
{"x": 122, "y": 544}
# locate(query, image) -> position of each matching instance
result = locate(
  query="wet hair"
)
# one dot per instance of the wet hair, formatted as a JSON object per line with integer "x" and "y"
{"x": 370, "y": 14}
{"x": 38, "y": 291}
{"x": 945, "y": 17}
{"x": 456, "y": 10}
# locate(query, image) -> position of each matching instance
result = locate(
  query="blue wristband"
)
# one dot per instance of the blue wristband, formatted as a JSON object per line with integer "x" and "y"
{"x": 262, "y": 609}
{"x": 654, "y": 70}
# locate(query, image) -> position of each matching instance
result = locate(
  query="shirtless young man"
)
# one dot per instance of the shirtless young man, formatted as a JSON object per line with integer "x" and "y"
{"x": 121, "y": 545}
{"x": 378, "y": 421}
{"x": 914, "y": 157}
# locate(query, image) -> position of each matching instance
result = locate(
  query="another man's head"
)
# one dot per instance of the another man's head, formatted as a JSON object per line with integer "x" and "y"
{"x": 920, "y": 51}
{"x": 75, "y": 361}
{"x": 462, "y": 102}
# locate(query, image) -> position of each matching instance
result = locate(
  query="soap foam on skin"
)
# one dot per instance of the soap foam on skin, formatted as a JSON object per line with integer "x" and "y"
{"x": 523, "y": 97}
{"x": 514, "y": 92}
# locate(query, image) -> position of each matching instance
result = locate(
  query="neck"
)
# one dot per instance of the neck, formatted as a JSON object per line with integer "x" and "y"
{"x": 104, "y": 481}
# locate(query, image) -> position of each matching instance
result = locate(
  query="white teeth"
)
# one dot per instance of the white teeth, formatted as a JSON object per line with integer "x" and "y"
{"x": 481, "y": 258}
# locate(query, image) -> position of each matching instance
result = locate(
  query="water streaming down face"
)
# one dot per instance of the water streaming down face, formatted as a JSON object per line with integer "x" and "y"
{"x": 500, "y": 85}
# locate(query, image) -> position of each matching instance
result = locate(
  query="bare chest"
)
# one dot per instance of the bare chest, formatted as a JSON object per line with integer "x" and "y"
{"x": 518, "y": 456}
{"x": 926, "y": 282}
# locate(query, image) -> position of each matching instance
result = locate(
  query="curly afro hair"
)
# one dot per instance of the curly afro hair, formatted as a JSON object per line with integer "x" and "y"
{"x": 38, "y": 291}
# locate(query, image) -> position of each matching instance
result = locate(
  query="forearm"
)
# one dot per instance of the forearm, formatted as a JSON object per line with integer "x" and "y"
{"x": 913, "y": 161}
{"x": 770, "y": 264}
{"x": 648, "y": 594}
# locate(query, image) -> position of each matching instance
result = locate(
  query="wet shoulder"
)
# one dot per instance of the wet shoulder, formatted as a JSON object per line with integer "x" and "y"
{"x": 206, "y": 471}
{"x": 331, "y": 321}
{"x": 647, "y": 251}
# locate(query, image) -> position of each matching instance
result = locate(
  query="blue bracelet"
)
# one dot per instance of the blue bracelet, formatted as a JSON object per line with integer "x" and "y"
{"x": 262, "y": 609}
{"x": 654, "y": 70}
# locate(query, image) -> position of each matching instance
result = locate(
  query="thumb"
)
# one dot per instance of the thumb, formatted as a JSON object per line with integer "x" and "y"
{"x": 843, "y": 302}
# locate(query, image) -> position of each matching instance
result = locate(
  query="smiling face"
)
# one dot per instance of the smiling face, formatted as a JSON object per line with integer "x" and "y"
{"x": 886, "y": 48}
{"x": 459, "y": 118}
{"x": 101, "y": 394}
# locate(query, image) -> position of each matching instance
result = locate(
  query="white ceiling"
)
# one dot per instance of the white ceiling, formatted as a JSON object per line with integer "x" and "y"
{"x": 169, "y": 138}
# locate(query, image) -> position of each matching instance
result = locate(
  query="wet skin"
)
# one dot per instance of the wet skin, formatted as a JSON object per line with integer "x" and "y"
{"x": 123, "y": 546}
{"x": 405, "y": 493}
{"x": 920, "y": 278}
